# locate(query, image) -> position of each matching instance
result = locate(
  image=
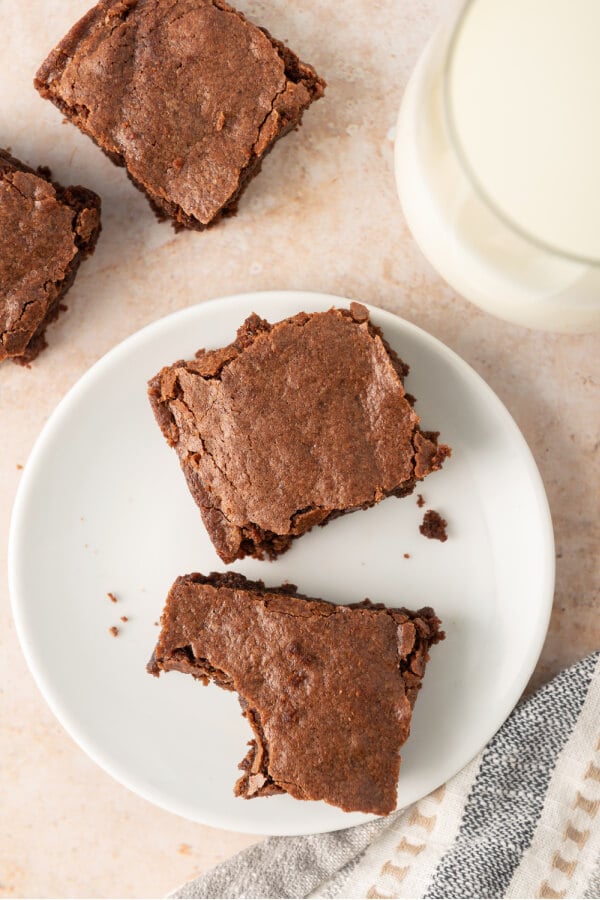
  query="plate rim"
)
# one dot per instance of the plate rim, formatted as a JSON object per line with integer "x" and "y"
{"x": 122, "y": 348}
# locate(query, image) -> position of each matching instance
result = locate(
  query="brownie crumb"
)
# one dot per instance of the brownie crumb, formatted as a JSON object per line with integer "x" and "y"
{"x": 434, "y": 526}
{"x": 420, "y": 500}
{"x": 114, "y": 630}
{"x": 124, "y": 618}
{"x": 19, "y": 466}
{"x": 112, "y": 597}
{"x": 407, "y": 556}
{"x": 157, "y": 624}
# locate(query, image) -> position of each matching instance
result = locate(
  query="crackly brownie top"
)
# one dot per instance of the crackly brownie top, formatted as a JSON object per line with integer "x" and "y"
{"x": 186, "y": 92}
{"x": 328, "y": 689}
{"x": 39, "y": 233}
{"x": 308, "y": 414}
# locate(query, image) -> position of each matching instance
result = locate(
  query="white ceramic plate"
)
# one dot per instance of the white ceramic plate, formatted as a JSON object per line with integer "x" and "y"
{"x": 103, "y": 506}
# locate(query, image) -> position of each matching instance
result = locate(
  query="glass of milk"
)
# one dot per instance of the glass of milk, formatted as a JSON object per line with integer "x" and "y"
{"x": 498, "y": 159}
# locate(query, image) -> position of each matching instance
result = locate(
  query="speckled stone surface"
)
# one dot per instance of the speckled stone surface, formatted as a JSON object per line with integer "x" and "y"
{"x": 322, "y": 216}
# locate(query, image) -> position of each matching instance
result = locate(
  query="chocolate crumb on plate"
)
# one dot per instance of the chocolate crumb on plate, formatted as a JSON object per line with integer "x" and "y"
{"x": 434, "y": 526}
{"x": 111, "y": 596}
{"x": 114, "y": 630}
{"x": 420, "y": 500}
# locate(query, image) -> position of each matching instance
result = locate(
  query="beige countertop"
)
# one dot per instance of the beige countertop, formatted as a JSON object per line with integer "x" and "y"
{"x": 323, "y": 216}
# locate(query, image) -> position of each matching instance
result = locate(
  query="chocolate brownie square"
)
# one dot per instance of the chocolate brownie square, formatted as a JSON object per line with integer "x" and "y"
{"x": 188, "y": 95}
{"x": 45, "y": 232}
{"x": 328, "y": 690}
{"x": 290, "y": 426}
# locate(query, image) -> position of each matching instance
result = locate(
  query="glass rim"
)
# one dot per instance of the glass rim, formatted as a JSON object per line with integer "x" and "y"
{"x": 453, "y": 131}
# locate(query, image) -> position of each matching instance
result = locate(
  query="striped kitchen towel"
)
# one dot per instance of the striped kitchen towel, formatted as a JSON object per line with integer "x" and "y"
{"x": 521, "y": 820}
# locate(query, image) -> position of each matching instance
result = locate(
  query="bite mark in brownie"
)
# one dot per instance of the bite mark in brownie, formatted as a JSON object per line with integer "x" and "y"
{"x": 46, "y": 231}
{"x": 188, "y": 95}
{"x": 434, "y": 526}
{"x": 328, "y": 690}
{"x": 290, "y": 426}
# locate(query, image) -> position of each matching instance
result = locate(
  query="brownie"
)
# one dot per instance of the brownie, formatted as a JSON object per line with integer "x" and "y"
{"x": 290, "y": 426}
{"x": 328, "y": 690}
{"x": 45, "y": 232}
{"x": 188, "y": 95}
{"x": 434, "y": 526}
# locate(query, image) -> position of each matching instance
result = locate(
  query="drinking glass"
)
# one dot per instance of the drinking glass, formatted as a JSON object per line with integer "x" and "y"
{"x": 484, "y": 249}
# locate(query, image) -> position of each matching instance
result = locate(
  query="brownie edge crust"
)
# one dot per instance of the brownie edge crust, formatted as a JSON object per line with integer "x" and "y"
{"x": 328, "y": 690}
{"x": 188, "y": 96}
{"x": 290, "y": 426}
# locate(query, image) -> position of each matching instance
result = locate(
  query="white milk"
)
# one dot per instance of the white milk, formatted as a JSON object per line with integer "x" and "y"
{"x": 524, "y": 98}
{"x": 498, "y": 159}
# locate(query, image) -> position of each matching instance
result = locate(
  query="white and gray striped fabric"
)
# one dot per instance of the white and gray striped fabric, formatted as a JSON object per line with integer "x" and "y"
{"x": 521, "y": 820}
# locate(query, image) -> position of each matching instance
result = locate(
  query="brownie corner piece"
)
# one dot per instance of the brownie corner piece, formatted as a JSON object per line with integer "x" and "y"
{"x": 290, "y": 426}
{"x": 189, "y": 97}
{"x": 46, "y": 231}
{"x": 315, "y": 681}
